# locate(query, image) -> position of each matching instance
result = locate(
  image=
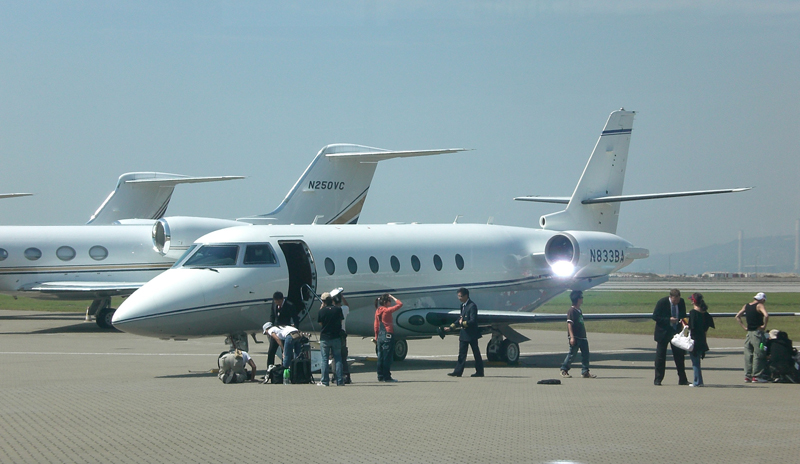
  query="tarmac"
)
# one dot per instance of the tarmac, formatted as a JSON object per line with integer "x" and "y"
{"x": 72, "y": 392}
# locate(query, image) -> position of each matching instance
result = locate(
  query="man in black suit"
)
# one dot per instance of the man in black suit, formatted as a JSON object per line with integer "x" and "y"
{"x": 668, "y": 314}
{"x": 469, "y": 335}
{"x": 283, "y": 312}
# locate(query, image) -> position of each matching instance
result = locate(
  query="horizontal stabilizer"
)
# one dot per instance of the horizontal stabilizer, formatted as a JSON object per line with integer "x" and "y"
{"x": 12, "y": 195}
{"x": 653, "y": 196}
{"x": 559, "y": 200}
{"x": 144, "y": 195}
{"x": 375, "y": 156}
{"x": 182, "y": 180}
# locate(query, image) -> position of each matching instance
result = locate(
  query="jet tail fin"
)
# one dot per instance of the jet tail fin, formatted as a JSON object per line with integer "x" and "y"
{"x": 144, "y": 195}
{"x": 594, "y": 205}
{"x": 334, "y": 186}
{"x": 603, "y": 175}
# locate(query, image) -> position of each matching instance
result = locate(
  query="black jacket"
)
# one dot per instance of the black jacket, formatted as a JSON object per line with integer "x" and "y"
{"x": 661, "y": 314}
{"x": 287, "y": 315}
{"x": 469, "y": 313}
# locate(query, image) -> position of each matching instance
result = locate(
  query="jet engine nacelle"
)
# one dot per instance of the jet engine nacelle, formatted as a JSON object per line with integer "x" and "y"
{"x": 581, "y": 254}
{"x": 172, "y": 236}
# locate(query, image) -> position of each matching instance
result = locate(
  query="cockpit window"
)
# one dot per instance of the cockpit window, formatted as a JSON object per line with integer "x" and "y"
{"x": 259, "y": 254}
{"x": 185, "y": 255}
{"x": 213, "y": 256}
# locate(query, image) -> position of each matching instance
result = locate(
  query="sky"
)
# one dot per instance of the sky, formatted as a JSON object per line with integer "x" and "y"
{"x": 93, "y": 89}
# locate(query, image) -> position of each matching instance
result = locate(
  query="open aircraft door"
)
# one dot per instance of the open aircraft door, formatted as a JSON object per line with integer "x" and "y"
{"x": 302, "y": 275}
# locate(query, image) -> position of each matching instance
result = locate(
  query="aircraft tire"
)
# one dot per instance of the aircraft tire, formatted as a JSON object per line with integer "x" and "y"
{"x": 491, "y": 355}
{"x": 103, "y": 318}
{"x": 509, "y": 351}
{"x": 400, "y": 350}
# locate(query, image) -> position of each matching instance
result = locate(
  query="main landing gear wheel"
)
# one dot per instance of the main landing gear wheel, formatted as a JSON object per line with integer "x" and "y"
{"x": 492, "y": 352}
{"x": 103, "y": 318}
{"x": 400, "y": 350}
{"x": 509, "y": 351}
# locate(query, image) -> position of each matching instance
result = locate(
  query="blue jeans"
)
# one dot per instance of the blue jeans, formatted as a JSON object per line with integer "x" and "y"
{"x": 583, "y": 345}
{"x": 698, "y": 374}
{"x": 290, "y": 351}
{"x": 385, "y": 356}
{"x": 326, "y": 347}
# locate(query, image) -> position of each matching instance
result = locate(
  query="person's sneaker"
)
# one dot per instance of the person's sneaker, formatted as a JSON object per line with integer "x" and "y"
{"x": 566, "y": 375}
{"x": 747, "y": 379}
{"x": 320, "y": 384}
{"x": 759, "y": 380}
{"x": 588, "y": 375}
{"x": 391, "y": 380}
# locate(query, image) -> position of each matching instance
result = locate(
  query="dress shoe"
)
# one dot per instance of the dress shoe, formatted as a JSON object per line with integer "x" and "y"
{"x": 657, "y": 383}
{"x": 476, "y": 375}
{"x": 685, "y": 382}
{"x": 453, "y": 374}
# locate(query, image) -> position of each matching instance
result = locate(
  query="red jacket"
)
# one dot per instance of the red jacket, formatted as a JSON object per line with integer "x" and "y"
{"x": 384, "y": 314}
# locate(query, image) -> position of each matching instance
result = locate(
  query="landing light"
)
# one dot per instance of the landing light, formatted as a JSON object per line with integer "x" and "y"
{"x": 562, "y": 268}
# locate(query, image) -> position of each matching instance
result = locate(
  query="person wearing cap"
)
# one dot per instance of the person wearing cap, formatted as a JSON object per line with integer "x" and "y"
{"x": 285, "y": 336}
{"x": 699, "y": 322}
{"x": 668, "y": 313}
{"x": 576, "y": 332}
{"x": 283, "y": 313}
{"x": 340, "y": 301}
{"x": 330, "y": 318}
{"x": 755, "y": 359}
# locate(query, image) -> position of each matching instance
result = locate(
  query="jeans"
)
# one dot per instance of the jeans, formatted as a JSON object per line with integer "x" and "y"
{"x": 290, "y": 351}
{"x": 326, "y": 347}
{"x": 755, "y": 358}
{"x": 698, "y": 374}
{"x": 583, "y": 345}
{"x": 385, "y": 356}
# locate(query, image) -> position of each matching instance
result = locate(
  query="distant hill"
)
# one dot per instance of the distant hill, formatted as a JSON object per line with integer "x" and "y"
{"x": 759, "y": 254}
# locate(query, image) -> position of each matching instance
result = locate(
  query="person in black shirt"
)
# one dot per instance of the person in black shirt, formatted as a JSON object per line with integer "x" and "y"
{"x": 577, "y": 337}
{"x": 330, "y": 318}
{"x": 755, "y": 359}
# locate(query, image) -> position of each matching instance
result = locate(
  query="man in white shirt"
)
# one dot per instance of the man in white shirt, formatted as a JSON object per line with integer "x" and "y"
{"x": 285, "y": 336}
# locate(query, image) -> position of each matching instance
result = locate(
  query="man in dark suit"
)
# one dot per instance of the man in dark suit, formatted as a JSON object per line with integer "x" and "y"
{"x": 668, "y": 314}
{"x": 469, "y": 335}
{"x": 283, "y": 312}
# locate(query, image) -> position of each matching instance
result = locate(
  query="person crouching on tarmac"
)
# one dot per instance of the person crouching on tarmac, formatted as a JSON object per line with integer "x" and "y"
{"x": 232, "y": 367}
{"x": 287, "y": 338}
{"x": 340, "y": 301}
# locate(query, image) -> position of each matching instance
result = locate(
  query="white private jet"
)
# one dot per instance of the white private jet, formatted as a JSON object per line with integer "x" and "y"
{"x": 223, "y": 284}
{"x": 95, "y": 262}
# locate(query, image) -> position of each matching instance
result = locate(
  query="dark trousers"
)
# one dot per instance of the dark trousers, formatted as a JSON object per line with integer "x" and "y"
{"x": 385, "y": 356}
{"x": 345, "y": 352}
{"x": 462, "y": 357}
{"x": 661, "y": 361}
{"x": 273, "y": 348}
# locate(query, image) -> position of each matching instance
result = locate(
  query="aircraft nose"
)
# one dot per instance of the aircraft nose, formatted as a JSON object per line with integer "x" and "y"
{"x": 148, "y": 310}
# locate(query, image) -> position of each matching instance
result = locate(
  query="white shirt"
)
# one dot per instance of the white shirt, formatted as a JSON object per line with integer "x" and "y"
{"x": 281, "y": 331}
{"x": 345, "y": 311}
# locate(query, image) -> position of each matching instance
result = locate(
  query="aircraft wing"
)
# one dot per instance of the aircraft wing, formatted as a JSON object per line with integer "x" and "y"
{"x": 84, "y": 290}
{"x": 144, "y": 195}
{"x": 375, "y": 156}
{"x": 13, "y": 195}
{"x": 489, "y": 317}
